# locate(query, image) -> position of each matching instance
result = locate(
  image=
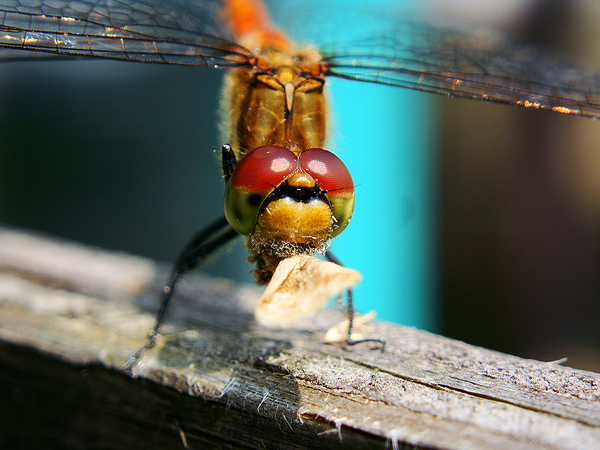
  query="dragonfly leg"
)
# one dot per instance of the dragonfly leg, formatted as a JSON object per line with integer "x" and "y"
{"x": 350, "y": 312}
{"x": 228, "y": 161}
{"x": 202, "y": 245}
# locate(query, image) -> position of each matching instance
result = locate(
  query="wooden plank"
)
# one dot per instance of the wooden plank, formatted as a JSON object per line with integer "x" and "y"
{"x": 71, "y": 315}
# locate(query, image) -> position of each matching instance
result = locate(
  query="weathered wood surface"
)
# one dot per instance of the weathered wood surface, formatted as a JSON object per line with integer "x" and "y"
{"x": 70, "y": 316}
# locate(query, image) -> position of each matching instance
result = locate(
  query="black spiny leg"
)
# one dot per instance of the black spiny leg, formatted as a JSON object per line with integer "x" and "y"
{"x": 202, "y": 245}
{"x": 350, "y": 312}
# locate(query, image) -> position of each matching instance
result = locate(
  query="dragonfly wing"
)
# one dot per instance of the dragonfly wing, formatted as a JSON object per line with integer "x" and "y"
{"x": 474, "y": 66}
{"x": 161, "y": 31}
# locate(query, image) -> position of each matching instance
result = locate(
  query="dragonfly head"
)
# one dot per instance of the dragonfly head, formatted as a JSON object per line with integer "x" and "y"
{"x": 289, "y": 204}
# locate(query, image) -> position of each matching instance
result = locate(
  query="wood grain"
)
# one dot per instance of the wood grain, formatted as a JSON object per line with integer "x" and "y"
{"x": 71, "y": 315}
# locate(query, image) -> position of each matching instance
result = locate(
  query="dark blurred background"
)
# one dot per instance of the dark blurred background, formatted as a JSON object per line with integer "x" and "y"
{"x": 112, "y": 154}
{"x": 122, "y": 156}
{"x": 520, "y": 206}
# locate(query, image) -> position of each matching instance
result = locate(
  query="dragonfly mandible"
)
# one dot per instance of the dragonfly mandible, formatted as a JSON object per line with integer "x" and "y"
{"x": 198, "y": 33}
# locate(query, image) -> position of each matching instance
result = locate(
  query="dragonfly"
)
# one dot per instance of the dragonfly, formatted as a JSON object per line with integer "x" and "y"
{"x": 276, "y": 109}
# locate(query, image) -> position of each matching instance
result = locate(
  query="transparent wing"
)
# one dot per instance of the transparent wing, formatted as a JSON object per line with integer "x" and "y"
{"x": 161, "y": 31}
{"x": 445, "y": 62}
{"x": 381, "y": 48}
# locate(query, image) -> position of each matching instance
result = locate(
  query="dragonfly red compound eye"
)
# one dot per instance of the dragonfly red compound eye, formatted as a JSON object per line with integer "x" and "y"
{"x": 262, "y": 169}
{"x": 255, "y": 176}
{"x": 328, "y": 170}
{"x": 333, "y": 177}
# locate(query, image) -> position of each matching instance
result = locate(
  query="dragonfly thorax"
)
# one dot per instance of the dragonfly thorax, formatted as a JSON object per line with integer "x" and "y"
{"x": 278, "y": 101}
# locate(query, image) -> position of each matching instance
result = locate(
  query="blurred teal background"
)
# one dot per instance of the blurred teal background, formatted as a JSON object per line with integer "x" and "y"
{"x": 123, "y": 156}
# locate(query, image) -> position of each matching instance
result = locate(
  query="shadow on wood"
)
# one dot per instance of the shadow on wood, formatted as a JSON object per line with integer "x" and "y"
{"x": 70, "y": 316}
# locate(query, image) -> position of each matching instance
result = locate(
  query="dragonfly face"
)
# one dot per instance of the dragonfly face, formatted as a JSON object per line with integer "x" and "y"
{"x": 289, "y": 203}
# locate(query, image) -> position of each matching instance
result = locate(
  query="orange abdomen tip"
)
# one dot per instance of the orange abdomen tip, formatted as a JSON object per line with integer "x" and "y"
{"x": 251, "y": 24}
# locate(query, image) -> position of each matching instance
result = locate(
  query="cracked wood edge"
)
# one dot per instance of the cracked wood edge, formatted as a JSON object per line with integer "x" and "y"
{"x": 425, "y": 390}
